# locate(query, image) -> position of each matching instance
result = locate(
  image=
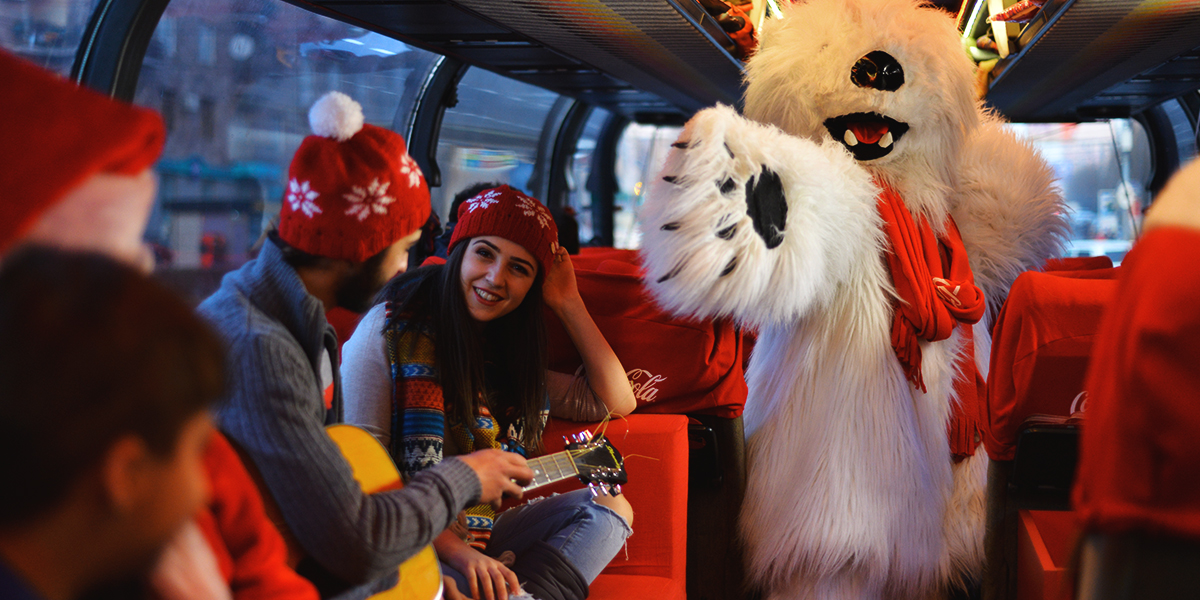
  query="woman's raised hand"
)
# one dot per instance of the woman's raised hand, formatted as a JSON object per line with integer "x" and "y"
{"x": 559, "y": 287}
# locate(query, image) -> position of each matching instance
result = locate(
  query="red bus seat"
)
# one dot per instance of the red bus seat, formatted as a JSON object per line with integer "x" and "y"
{"x": 1041, "y": 346}
{"x": 1040, "y": 350}
{"x": 655, "y": 448}
{"x": 676, "y": 365}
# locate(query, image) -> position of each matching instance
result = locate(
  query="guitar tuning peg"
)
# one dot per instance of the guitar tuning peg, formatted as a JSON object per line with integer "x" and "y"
{"x": 615, "y": 490}
{"x": 586, "y": 435}
{"x": 566, "y": 440}
{"x": 598, "y": 489}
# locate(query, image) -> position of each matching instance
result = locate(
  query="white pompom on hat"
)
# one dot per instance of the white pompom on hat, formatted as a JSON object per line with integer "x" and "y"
{"x": 352, "y": 188}
{"x": 336, "y": 115}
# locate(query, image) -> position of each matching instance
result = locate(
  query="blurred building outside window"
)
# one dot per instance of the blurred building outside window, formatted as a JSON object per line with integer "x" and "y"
{"x": 491, "y": 135}
{"x": 641, "y": 152}
{"x": 234, "y": 80}
{"x": 46, "y": 32}
{"x": 1103, "y": 170}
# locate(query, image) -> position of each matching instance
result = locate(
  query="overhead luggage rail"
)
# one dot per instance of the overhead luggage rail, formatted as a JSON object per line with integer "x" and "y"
{"x": 1087, "y": 59}
{"x": 651, "y": 60}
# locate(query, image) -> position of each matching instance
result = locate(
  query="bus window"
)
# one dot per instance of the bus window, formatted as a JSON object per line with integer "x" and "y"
{"x": 580, "y": 172}
{"x": 640, "y": 156}
{"x": 234, "y": 82}
{"x": 46, "y": 33}
{"x": 1104, "y": 169}
{"x": 491, "y": 135}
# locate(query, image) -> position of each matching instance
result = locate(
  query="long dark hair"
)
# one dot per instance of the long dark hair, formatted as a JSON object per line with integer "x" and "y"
{"x": 506, "y": 356}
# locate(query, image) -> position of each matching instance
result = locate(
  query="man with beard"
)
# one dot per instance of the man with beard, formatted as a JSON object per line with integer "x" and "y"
{"x": 353, "y": 206}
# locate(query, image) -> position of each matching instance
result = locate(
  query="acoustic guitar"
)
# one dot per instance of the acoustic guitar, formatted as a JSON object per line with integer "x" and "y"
{"x": 593, "y": 460}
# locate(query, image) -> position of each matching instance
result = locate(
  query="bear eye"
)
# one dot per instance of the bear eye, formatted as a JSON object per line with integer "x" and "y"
{"x": 878, "y": 70}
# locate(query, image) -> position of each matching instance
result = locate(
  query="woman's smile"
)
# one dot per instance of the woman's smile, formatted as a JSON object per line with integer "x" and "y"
{"x": 487, "y": 297}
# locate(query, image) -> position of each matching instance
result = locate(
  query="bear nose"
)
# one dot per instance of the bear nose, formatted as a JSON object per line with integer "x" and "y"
{"x": 877, "y": 70}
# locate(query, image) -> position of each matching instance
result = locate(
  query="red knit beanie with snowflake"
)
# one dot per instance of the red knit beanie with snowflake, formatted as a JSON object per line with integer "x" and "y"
{"x": 55, "y": 135}
{"x": 352, "y": 189}
{"x": 507, "y": 213}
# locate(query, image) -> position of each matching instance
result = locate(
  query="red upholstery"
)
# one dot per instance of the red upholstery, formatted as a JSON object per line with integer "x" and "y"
{"x": 675, "y": 365}
{"x": 656, "y": 460}
{"x": 1046, "y": 541}
{"x": 249, "y": 550}
{"x": 1040, "y": 349}
{"x": 1139, "y": 465}
{"x": 344, "y": 323}
{"x": 1078, "y": 263}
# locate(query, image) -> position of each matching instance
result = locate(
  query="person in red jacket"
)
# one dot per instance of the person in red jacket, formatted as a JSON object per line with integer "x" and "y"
{"x": 249, "y": 551}
{"x": 1138, "y": 451}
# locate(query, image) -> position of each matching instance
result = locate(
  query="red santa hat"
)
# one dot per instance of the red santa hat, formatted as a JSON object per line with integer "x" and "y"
{"x": 352, "y": 189}
{"x": 55, "y": 135}
{"x": 507, "y": 213}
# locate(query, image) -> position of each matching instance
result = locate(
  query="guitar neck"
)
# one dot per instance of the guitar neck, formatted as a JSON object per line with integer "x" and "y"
{"x": 551, "y": 468}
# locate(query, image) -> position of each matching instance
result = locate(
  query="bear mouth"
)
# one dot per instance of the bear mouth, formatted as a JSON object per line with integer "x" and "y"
{"x": 867, "y": 136}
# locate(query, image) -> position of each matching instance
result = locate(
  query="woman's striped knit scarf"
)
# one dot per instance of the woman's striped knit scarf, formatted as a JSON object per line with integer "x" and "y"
{"x": 419, "y": 414}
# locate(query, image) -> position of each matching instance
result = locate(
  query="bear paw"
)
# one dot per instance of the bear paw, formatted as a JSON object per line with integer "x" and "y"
{"x": 738, "y": 223}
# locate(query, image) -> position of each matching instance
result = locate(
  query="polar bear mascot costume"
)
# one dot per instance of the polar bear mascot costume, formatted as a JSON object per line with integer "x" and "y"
{"x": 863, "y": 215}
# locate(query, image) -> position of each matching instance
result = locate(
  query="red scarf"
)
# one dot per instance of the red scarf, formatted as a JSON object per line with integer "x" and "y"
{"x": 937, "y": 293}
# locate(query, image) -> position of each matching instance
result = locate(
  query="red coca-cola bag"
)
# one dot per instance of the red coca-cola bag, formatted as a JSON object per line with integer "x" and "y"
{"x": 675, "y": 365}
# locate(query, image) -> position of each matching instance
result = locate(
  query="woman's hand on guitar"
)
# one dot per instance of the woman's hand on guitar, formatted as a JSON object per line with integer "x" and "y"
{"x": 500, "y": 474}
{"x": 489, "y": 578}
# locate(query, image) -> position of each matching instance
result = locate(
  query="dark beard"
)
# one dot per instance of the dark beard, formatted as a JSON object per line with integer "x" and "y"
{"x": 357, "y": 294}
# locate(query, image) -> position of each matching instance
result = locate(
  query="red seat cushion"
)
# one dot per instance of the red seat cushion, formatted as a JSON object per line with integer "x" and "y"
{"x": 656, "y": 459}
{"x": 1078, "y": 263}
{"x": 675, "y": 365}
{"x": 1140, "y": 448}
{"x": 637, "y": 587}
{"x": 1040, "y": 350}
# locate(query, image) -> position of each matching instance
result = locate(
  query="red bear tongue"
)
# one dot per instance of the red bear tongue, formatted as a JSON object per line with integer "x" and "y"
{"x": 868, "y": 133}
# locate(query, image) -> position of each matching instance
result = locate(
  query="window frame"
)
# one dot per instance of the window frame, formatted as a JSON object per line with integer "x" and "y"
{"x": 114, "y": 45}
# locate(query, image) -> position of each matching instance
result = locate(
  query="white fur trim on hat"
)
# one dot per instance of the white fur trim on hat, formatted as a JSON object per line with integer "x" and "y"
{"x": 336, "y": 115}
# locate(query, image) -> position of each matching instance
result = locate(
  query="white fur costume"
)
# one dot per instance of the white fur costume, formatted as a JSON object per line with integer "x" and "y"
{"x": 852, "y": 492}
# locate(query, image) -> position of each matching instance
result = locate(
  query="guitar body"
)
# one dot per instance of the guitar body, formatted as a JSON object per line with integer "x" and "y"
{"x": 420, "y": 576}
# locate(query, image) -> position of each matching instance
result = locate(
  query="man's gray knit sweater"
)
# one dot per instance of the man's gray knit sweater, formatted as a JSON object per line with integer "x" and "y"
{"x": 277, "y": 335}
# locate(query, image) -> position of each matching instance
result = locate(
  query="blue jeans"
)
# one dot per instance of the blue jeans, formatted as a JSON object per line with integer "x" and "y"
{"x": 588, "y": 534}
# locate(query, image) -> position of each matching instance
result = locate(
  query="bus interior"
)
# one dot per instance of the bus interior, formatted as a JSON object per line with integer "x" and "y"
{"x": 577, "y": 102}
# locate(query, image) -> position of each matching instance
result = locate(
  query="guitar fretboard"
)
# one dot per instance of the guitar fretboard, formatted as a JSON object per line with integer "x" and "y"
{"x": 551, "y": 468}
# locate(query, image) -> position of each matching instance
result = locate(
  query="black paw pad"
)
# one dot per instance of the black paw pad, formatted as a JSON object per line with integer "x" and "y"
{"x": 767, "y": 206}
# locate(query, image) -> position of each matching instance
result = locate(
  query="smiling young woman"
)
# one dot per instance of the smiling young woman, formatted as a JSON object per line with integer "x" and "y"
{"x": 454, "y": 360}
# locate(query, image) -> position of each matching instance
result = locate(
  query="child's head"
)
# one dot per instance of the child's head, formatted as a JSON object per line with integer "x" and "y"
{"x": 106, "y": 378}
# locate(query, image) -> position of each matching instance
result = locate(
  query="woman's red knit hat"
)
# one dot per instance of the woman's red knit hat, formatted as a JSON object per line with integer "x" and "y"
{"x": 352, "y": 190}
{"x": 54, "y": 135}
{"x": 507, "y": 213}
